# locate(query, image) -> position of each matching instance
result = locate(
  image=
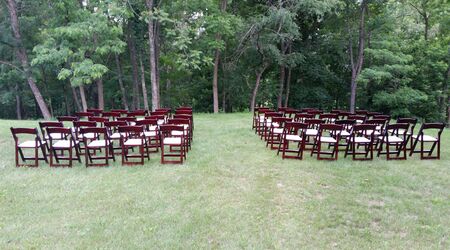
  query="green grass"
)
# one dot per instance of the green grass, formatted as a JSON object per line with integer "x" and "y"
{"x": 231, "y": 193}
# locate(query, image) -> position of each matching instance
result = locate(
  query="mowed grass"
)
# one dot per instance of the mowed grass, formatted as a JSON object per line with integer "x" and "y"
{"x": 231, "y": 193}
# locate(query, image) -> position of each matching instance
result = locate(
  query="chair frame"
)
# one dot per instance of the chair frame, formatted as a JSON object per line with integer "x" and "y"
{"x": 361, "y": 130}
{"x": 133, "y": 132}
{"x": 334, "y": 130}
{"x": 393, "y": 130}
{"x": 68, "y": 135}
{"x": 39, "y": 144}
{"x": 165, "y": 131}
{"x": 426, "y": 126}
{"x": 109, "y": 154}
{"x": 293, "y": 128}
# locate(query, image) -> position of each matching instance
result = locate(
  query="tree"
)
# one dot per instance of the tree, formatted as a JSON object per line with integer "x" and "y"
{"x": 153, "y": 55}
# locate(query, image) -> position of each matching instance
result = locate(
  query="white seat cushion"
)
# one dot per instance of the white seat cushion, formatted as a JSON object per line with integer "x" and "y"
{"x": 116, "y": 135}
{"x": 54, "y": 136}
{"x": 345, "y": 133}
{"x": 369, "y": 132}
{"x": 359, "y": 139}
{"x": 359, "y": 121}
{"x": 311, "y": 132}
{"x": 152, "y": 127}
{"x": 177, "y": 133}
{"x": 64, "y": 144}
{"x": 97, "y": 143}
{"x": 88, "y": 136}
{"x": 293, "y": 138}
{"x": 160, "y": 122}
{"x": 149, "y": 133}
{"x": 172, "y": 141}
{"x": 277, "y": 130}
{"x": 134, "y": 142}
{"x": 401, "y": 131}
{"x": 391, "y": 138}
{"x": 29, "y": 144}
{"x": 425, "y": 138}
{"x": 327, "y": 139}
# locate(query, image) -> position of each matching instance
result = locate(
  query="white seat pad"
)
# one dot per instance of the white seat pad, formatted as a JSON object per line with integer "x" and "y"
{"x": 327, "y": 139}
{"x": 359, "y": 139}
{"x": 149, "y": 133}
{"x": 172, "y": 141}
{"x": 160, "y": 122}
{"x": 29, "y": 144}
{"x": 391, "y": 138}
{"x": 88, "y": 135}
{"x": 277, "y": 130}
{"x": 64, "y": 144}
{"x": 134, "y": 142}
{"x": 293, "y": 138}
{"x": 425, "y": 138}
{"x": 98, "y": 143}
{"x": 177, "y": 133}
{"x": 369, "y": 132}
{"x": 345, "y": 133}
{"x": 311, "y": 131}
{"x": 54, "y": 136}
{"x": 116, "y": 135}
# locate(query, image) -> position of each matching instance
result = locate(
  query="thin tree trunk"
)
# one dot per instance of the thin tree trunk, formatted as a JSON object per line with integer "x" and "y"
{"x": 134, "y": 68}
{"x": 120, "y": 78}
{"x": 144, "y": 87}
{"x": 223, "y": 7}
{"x": 356, "y": 68}
{"x": 281, "y": 86}
{"x": 257, "y": 84}
{"x": 288, "y": 88}
{"x": 153, "y": 66}
{"x": 75, "y": 98}
{"x": 18, "y": 102}
{"x": 83, "y": 98}
{"x": 446, "y": 92}
{"x": 23, "y": 57}
{"x": 101, "y": 98}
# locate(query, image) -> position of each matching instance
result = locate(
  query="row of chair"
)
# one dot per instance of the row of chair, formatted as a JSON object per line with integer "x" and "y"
{"x": 100, "y": 138}
{"x": 311, "y": 129}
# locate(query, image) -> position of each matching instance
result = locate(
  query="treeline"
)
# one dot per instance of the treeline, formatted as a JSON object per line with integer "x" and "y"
{"x": 58, "y": 57}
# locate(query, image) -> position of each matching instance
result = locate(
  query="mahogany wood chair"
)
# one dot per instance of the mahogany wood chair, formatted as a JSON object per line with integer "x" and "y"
{"x": 99, "y": 120}
{"x": 359, "y": 119}
{"x": 362, "y": 136}
{"x": 33, "y": 141}
{"x": 68, "y": 143}
{"x": 394, "y": 135}
{"x": 423, "y": 138}
{"x": 328, "y": 118}
{"x": 268, "y": 123}
{"x": 112, "y": 127}
{"x": 151, "y": 133}
{"x": 312, "y": 131}
{"x": 275, "y": 131}
{"x": 131, "y": 121}
{"x": 77, "y": 125}
{"x": 328, "y": 134}
{"x": 101, "y": 143}
{"x": 293, "y": 133}
{"x": 302, "y": 117}
{"x": 167, "y": 138}
{"x": 112, "y": 116}
{"x": 122, "y": 112}
{"x": 132, "y": 137}
{"x": 185, "y": 123}
{"x": 84, "y": 115}
{"x": 191, "y": 120}
{"x": 412, "y": 125}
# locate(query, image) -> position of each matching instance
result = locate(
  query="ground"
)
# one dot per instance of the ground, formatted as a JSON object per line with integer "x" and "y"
{"x": 231, "y": 193}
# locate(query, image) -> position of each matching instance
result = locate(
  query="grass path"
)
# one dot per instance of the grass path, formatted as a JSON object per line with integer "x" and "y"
{"x": 231, "y": 193}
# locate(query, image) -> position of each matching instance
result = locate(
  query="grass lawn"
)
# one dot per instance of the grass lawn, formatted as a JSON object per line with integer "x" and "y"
{"x": 231, "y": 193}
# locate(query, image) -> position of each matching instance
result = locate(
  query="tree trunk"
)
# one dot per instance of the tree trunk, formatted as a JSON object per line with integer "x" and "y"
{"x": 101, "y": 99}
{"x": 120, "y": 79}
{"x": 223, "y": 7}
{"x": 75, "y": 98}
{"x": 153, "y": 59}
{"x": 83, "y": 98}
{"x": 446, "y": 92}
{"x": 23, "y": 58}
{"x": 144, "y": 87}
{"x": 356, "y": 67}
{"x": 288, "y": 88}
{"x": 134, "y": 68}
{"x": 18, "y": 102}
{"x": 257, "y": 84}
{"x": 281, "y": 86}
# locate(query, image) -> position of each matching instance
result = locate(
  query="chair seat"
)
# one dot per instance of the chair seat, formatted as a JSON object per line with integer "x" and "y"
{"x": 160, "y": 122}
{"x": 359, "y": 139}
{"x": 149, "y": 133}
{"x": 369, "y": 132}
{"x": 293, "y": 138}
{"x": 359, "y": 121}
{"x": 311, "y": 132}
{"x": 345, "y": 133}
{"x": 64, "y": 144}
{"x": 87, "y": 135}
{"x": 391, "y": 138}
{"x": 327, "y": 139}
{"x": 116, "y": 135}
{"x": 401, "y": 131}
{"x": 54, "y": 136}
{"x": 425, "y": 138}
{"x": 272, "y": 124}
{"x": 177, "y": 133}
{"x": 134, "y": 142}
{"x": 30, "y": 144}
{"x": 172, "y": 141}
{"x": 98, "y": 144}
{"x": 277, "y": 130}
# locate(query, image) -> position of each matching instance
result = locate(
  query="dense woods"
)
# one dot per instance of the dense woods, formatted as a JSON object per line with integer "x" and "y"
{"x": 58, "y": 57}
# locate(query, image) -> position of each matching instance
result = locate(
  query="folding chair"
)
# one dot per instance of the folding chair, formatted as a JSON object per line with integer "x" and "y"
{"x": 101, "y": 141}
{"x": 268, "y": 123}
{"x": 371, "y": 114}
{"x": 412, "y": 124}
{"x": 343, "y": 115}
{"x": 347, "y": 125}
{"x": 35, "y": 143}
{"x": 362, "y": 112}
{"x": 112, "y": 116}
{"x": 362, "y": 135}
{"x": 113, "y": 132}
{"x": 314, "y": 112}
{"x": 132, "y": 137}
{"x": 312, "y": 131}
{"x": 138, "y": 114}
{"x": 67, "y": 142}
{"x": 44, "y": 125}
{"x": 185, "y": 123}
{"x": 100, "y": 121}
{"x": 328, "y": 118}
{"x": 151, "y": 133}
{"x": 77, "y": 125}
{"x": 293, "y": 133}
{"x": 329, "y": 134}
{"x": 131, "y": 121}
{"x": 423, "y": 138}
{"x": 191, "y": 119}
{"x": 359, "y": 119}
{"x": 184, "y": 111}
{"x": 97, "y": 112}
{"x": 394, "y": 135}
{"x": 67, "y": 118}
{"x": 259, "y": 119}
{"x": 275, "y": 131}
{"x": 168, "y": 139}
{"x": 385, "y": 117}
{"x": 302, "y": 117}
{"x": 290, "y": 113}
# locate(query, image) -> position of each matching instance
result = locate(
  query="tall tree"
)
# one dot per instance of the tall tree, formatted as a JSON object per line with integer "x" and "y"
{"x": 23, "y": 58}
{"x": 153, "y": 55}
{"x": 223, "y": 7}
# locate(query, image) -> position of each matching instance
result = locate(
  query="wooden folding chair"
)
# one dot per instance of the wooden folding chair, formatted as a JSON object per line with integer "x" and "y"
{"x": 361, "y": 112}
{"x": 151, "y": 133}
{"x": 328, "y": 118}
{"x": 138, "y": 114}
{"x": 67, "y": 118}
{"x": 362, "y": 135}
{"x": 112, "y": 128}
{"x": 34, "y": 142}
{"x": 167, "y": 138}
{"x": 132, "y": 137}
{"x": 184, "y": 111}
{"x": 185, "y": 123}
{"x": 43, "y": 127}
{"x": 66, "y": 142}
{"x": 359, "y": 119}
{"x": 77, "y": 125}
{"x": 191, "y": 120}
{"x": 268, "y": 123}
{"x": 100, "y": 121}
{"x": 328, "y": 134}
{"x": 101, "y": 143}
{"x": 347, "y": 125}
{"x": 314, "y": 112}
{"x": 275, "y": 131}
{"x": 423, "y": 138}
{"x": 293, "y": 133}
{"x": 394, "y": 135}
{"x": 131, "y": 121}
{"x": 312, "y": 131}
{"x": 412, "y": 124}
{"x": 112, "y": 116}
{"x": 302, "y": 117}
{"x": 259, "y": 120}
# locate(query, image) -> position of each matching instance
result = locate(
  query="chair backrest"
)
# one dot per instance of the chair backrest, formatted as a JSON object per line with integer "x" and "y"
{"x": 185, "y": 108}
{"x": 67, "y": 118}
{"x": 386, "y": 117}
{"x": 381, "y": 123}
{"x": 295, "y": 127}
{"x": 280, "y": 121}
{"x": 398, "y": 129}
{"x": 120, "y": 111}
{"x": 366, "y": 130}
{"x": 44, "y": 125}
{"x": 346, "y": 123}
{"x": 162, "y": 112}
{"x": 82, "y": 124}
{"x": 361, "y": 112}
{"x": 137, "y": 113}
{"x": 361, "y": 118}
{"x": 148, "y": 124}
{"x": 95, "y": 111}
{"x": 111, "y": 114}
{"x": 160, "y": 118}
{"x": 129, "y": 120}
{"x": 61, "y": 133}
{"x": 336, "y": 111}
{"x": 314, "y": 123}
{"x": 166, "y": 130}
{"x": 99, "y": 132}
{"x": 439, "y": 127}
{"x": 24, "y": 131}
{"x": 98, "y": 120}
{"x": 411, "y": 121}
{"x": 314, "y": 112}
{"x": 328, "y": 118}
{"x": 167, "y": 110}
{"x": 113, "y": 126}
{"x": 302, "y": 117}
{"x": 183, "y": 111}
{"x": 84, "y": 114}
{"x": 132, "y": 132}
{"x": 270, "y": 115}
{"x": 344, "y": 115}
{"x": 333, "y": 129}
